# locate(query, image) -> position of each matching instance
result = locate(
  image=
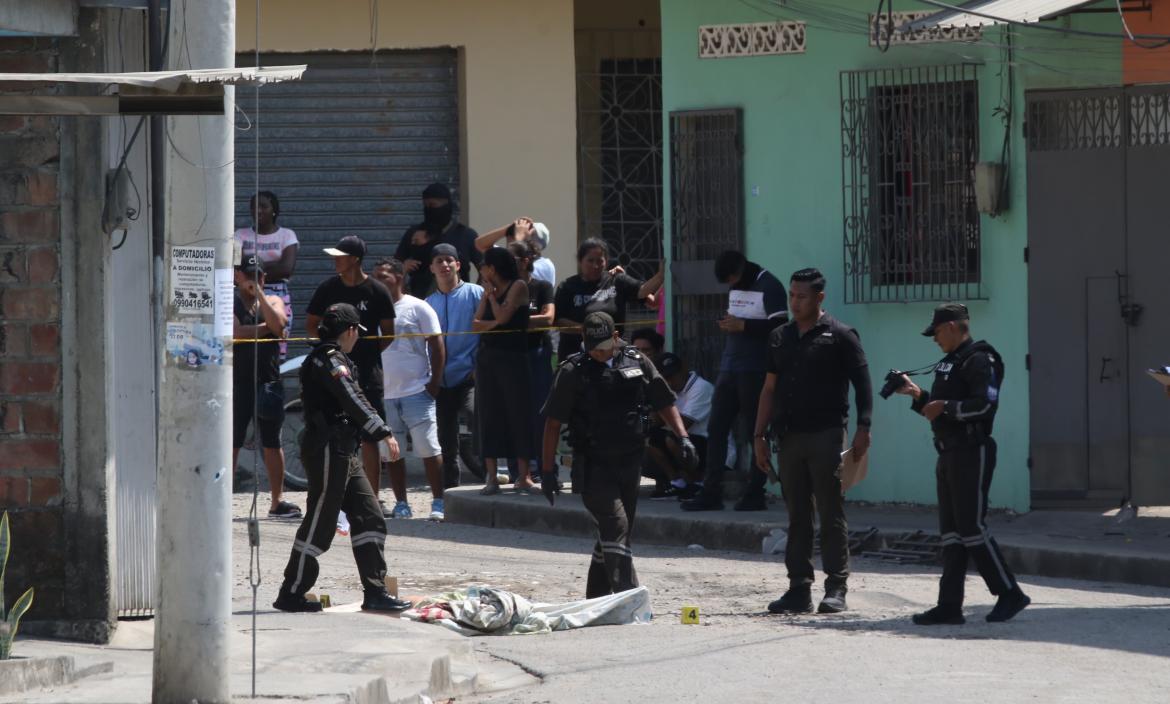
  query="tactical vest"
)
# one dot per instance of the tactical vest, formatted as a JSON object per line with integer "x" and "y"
{"x": 320, "y": 406}
{"x": 611, "y": 417}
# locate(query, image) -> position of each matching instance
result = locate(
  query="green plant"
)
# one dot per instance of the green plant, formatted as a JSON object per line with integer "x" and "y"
{"x": 9, "y": 620}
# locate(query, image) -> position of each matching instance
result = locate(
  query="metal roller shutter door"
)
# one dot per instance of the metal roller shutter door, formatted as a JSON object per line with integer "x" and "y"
{"x": 348, "y": 150}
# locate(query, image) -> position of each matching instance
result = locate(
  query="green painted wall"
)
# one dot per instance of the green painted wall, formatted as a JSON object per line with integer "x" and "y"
{"x": 791, "y": 107}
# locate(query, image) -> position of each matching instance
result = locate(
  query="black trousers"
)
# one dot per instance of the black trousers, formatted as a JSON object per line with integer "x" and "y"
{"x": 736, "y": 394}
{"x": 455, "y": 402}
{"x": 611, "y": 497}
{"x": 336, "y": 483}
{"x": 964, "y": 477}
{"x": 810, "y": 470}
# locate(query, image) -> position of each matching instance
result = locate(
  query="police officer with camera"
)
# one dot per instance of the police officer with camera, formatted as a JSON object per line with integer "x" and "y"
{"x": 605, "y": 395}
{"x": 337, "y": 414}
{"x": 961, "y": 406}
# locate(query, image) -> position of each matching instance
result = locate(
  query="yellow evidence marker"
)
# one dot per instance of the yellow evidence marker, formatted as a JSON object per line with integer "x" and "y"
{"x": 325, "y": 601}
{"x": 690, "y": 615}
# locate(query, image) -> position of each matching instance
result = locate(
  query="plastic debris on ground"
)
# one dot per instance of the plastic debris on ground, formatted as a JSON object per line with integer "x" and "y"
{"x": 481, "y": 610}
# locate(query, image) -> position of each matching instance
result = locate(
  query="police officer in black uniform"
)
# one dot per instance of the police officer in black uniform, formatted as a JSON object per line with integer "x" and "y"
{"x": 961, "y": 407}
{"x": 605, "y": 395}
{"x": 337, "y": 416}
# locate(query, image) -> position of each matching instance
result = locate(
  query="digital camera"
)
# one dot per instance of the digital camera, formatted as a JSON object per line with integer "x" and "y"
{"x": 894, "y": 382}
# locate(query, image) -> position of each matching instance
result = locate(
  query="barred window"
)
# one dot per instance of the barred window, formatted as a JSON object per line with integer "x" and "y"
{"x": 909, "y": 142}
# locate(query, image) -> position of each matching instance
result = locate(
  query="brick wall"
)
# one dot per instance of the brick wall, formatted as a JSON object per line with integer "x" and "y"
{"x": 31, "y": 474}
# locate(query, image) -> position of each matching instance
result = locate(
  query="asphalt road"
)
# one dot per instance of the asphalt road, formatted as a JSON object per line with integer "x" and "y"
{"x": 1080, "y": 641}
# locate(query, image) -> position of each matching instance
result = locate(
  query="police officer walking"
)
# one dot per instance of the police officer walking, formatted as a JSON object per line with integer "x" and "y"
{"x": 336, "y": 414}
{"x": 961, "y": 406}
{"x": 605, "y": 395}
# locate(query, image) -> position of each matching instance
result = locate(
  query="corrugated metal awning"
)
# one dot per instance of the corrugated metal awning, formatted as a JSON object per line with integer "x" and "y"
{"x": 981, "y": 13}
{"x": 169, "y": 81}
{"x": 189, "y": 92}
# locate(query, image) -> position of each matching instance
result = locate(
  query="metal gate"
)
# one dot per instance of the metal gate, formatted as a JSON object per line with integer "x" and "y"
{"x": 1098, "y": 295}
{"x": 706, "y": 215}
{"x": 619, "y": 114}
{"x": 348, "y": 149}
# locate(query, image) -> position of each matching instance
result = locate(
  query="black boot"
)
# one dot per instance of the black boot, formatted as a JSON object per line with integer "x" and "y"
{"x": 703, "y": 502}
{"x": 294, "y": 603}
{"x": 794, "y": 601}
{"x": 941, "y": 615}
{"x": 834, "y": 601}
{"x": 382, "y": 601}
{"x": 1009, "y": 604}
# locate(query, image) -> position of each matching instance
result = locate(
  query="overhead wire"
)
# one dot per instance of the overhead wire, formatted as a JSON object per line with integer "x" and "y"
{"x": 254, "y": 574}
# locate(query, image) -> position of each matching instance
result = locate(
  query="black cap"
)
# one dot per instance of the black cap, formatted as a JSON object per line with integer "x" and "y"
{"x": 350, "y": 245}
{"x": 338, "y": 318}
{"x": 946, "y": 313}
{"x": 444, "y": 250}
{"x": 250, "y": 264}
{"x": 669, "y": 364}
{"x": 437, "y": 190}
{"x": 597, "y": 331}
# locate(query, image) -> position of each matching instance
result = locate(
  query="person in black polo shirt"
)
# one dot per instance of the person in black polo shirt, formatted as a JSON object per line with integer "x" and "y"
{"x": 416, "y": 249}
{"x": 812, "y": 360}
{"x": 375, "y": 306}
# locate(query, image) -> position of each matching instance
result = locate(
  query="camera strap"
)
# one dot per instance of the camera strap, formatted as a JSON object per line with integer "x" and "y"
{"x": 928, "y": 369}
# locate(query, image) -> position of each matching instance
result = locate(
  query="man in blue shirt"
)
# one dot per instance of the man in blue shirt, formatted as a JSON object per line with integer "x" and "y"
{"x": 455, "y": 301}
{"x": 757, "y": 305}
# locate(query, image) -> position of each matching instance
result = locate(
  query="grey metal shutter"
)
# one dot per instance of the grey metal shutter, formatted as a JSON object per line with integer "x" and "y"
{"x": 348, "y": 150}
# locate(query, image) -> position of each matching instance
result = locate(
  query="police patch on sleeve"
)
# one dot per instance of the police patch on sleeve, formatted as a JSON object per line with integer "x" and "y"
{"x": 631, "y": 372}
{"x": 339, "y": 370}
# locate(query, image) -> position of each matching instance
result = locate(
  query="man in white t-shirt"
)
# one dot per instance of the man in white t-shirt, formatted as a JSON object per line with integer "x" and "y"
{"x": 412, "y": 369}
{"x": 676, "y": 479}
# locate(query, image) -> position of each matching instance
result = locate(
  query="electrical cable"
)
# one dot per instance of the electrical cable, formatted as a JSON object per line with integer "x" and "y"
{"x": 1129, "y": 33}
{"x": 889, "y": 4}
{"x": 254, "y": 574}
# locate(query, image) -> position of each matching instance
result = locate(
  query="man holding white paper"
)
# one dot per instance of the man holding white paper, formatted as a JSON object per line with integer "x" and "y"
{"x": 756, "y": 305}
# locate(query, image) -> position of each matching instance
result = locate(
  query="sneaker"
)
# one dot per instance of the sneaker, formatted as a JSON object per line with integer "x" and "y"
{"x": 381, "y": 601}
{"x": 665, "y": 493}
{"x": 503, "y": 478}
{"x": 940, "y": 616}
{"x": 703, "y": 502}
{"x": 436, "y": 510}
{"x": 387, "y": 512}
{"x": 752, "y": 502}
{"x": 401, "y": 510}
{"x": 834, "y": 601}
{"x": 690, "y": 492}
{"x": 296, "y": 604}
{"x": 794, "y": 601}
{"x": 285, "y": 510}
{"x": 1008, "y": 605}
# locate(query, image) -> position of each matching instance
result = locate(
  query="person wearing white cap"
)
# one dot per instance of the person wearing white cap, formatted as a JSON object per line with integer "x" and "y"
{"x": 521, "y": 230}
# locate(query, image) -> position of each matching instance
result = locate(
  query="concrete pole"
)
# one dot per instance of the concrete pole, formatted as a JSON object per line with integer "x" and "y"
{"x": 192, "y": 641}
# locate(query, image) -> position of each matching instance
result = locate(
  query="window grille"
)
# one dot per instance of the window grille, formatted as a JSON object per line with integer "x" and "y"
{"x": 909, "y": 144}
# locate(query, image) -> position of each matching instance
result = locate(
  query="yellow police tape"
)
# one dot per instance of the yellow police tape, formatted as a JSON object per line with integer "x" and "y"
{"x": 247, "y": 340}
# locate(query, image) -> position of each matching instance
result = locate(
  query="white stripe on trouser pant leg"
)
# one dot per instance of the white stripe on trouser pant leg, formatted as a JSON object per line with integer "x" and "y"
{"x": 597, "y": 554}
{"x": 616, "y": 548}
{"x": 983, "y": 526}
{"x": 313, "y": 524}
{"x": 370, "y": 536}
{"x": 949, "y": 538}
{"x": 307, "y": 548}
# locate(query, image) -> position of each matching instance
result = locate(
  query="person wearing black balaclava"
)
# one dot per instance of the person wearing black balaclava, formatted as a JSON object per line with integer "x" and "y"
{"x": 438, "y": 226}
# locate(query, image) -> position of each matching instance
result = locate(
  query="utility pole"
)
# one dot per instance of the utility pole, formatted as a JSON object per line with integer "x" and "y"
{"x": 192, "y": 640}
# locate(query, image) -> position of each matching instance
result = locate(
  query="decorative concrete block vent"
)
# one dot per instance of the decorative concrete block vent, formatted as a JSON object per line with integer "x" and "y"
{"x": 724, "y": 41}
{"x": 879, "y": 28}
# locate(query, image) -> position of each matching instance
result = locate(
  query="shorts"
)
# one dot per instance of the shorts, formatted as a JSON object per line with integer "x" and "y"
{"x": 270, "y": 414}
{"x": 416, "y": 415}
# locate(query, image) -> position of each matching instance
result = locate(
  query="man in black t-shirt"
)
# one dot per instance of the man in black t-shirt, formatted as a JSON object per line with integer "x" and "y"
{"x": 438, "y": 226}
{"x": 376, "y": 308}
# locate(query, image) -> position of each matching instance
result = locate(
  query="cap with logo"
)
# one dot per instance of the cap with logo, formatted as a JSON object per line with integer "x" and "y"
{"x": 349, "y": 246}
{"x": 338, "y": 318}
{"x": 250, "y": 264}
{"x": 946, "y": 313}
{"x": 597, "y": 332}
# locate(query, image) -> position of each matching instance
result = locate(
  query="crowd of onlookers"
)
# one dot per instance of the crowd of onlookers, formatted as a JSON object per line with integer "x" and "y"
{"x": 480, "y": 355}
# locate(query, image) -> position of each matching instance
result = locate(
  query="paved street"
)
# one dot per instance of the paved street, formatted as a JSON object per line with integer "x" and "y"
{"x": 1080, "y": 641}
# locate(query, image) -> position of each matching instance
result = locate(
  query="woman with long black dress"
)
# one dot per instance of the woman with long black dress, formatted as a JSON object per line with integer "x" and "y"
{"x": 503, "y": 379}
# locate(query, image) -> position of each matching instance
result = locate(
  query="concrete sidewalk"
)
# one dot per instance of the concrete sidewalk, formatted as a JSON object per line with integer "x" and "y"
{"x": 341, "y": 656}
{"x": 1067, "y": 544}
